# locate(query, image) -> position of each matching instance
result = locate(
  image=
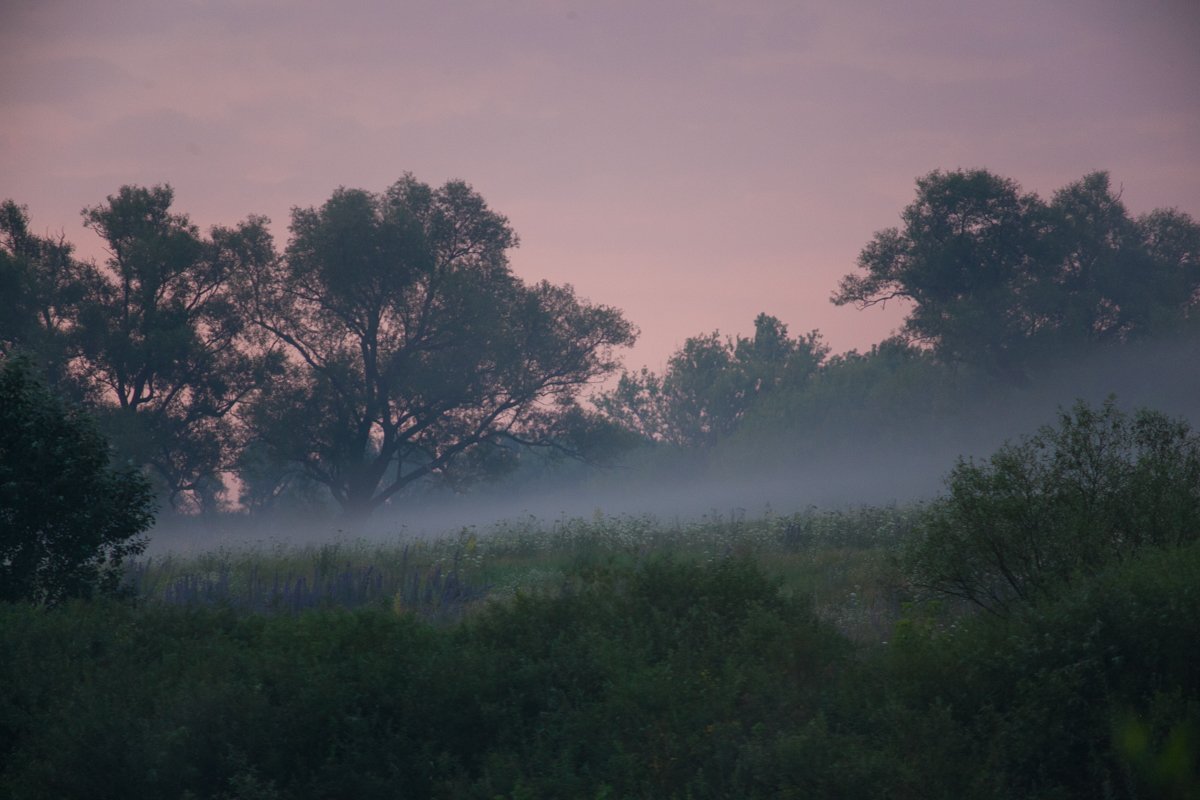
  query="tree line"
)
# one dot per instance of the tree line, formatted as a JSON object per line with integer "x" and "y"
{"x": 389, "y": 342}
{"x": 1001, "y": 286}
{"x": 389, "y": 345}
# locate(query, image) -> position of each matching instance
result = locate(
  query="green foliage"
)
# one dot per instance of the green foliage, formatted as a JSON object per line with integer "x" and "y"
{"x": 1095, "y": 489}
{"x": 842, "y": 560}
{"x": 68, "y": 517}
{"x": 413, "y": 343}
{"x": 1090, "y": 693}
{"x": 883, "y": 394}
{"x": 1000, "y": 279}
{"x": 160, "y": 337}
{"x": 41, "y": 287}
{"x": 711, "y": 383}
{"x": 652, "y": 681}
{"x": 660, "y": 676}
{"x": 314, "y": 706}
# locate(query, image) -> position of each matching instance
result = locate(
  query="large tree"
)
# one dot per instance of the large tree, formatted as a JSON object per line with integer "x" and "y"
{"x": 967, "y": 259}
{"x": 160, "y": 336}
{"x": 1119, "y": 277}
{"x": 413, "y": 346}
{"x": 997, "y": 277}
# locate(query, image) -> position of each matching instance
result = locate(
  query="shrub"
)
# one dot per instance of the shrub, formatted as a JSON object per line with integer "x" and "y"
{"x": 1070, "y": 499}
{"x": 1090, "y": 693}
{"x": 67, "y": 516}
{"x": 668, "y": 679}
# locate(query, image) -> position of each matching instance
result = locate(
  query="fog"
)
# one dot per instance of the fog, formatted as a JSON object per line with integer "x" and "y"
{"x": 747, "y": 477}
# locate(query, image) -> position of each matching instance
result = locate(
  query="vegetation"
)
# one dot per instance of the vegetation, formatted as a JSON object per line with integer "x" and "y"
{"x": 158, "y": 334}
{"x": 661, "y": 676}
{"x": 68, "y": 516}
{"x": 779, "y": 657}
{"x": 389, "y": 347}
{"x": 390, "y": 350}
{"x": 842, "y": 561}
{"x": 1001, "y": 279}
{"x": 1097, "y": 488}
{"x": 416, "y": 351}
{"x": 710, "y": 384}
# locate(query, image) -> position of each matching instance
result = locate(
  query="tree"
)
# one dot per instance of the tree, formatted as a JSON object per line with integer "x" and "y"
{"x": 160, "y": 336}
{"x": 68, "y": 517}
{"x": 710, "y": 384}
{"x": 41, "y": 287}
{"x": 966, "y": 259}
{"x": 413, "y": 346}
{"x": 1119, "y": 278}
{"x": 998, "y": 278}
{"x": 1095, "y": 489}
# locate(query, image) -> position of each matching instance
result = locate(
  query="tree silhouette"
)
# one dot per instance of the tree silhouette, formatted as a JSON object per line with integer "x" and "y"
{"x": 412, "y": 343}
{"x": 999, "y": 278}
{"x": 160, "y": 336}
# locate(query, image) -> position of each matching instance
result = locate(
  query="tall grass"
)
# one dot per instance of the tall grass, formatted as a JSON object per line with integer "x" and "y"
{"x": 840, "y": 560}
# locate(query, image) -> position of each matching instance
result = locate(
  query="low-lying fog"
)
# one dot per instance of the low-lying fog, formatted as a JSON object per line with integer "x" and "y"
{"x": 827, "y": 469}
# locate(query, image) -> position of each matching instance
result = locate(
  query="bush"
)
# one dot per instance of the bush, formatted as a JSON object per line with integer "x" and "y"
{"x": 669, "y": 679}
{"x": 1068, "y": 500}
{"x": 1091, "y": 693}
{"x": 666, "y": 680}
{"x": 67, "y": 517}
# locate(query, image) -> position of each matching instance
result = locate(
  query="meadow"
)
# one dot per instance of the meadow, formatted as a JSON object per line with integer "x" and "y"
{"x": 843, "y": 562}
{"x": 780, "y": 656}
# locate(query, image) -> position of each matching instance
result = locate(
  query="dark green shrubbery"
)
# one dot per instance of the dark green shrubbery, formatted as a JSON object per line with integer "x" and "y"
{"x": 68, "y": 517}
{"x": 658, "y": 682}
{"x": 108, "y": 700}
{"x": 1093, "y": 490}
{"x": 1088, "y": 694}
{"x": 664, "y": 680}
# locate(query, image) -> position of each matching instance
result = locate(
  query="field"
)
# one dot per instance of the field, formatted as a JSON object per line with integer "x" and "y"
{"x": 602, "y": 658}
{"x": 843, "y": 562}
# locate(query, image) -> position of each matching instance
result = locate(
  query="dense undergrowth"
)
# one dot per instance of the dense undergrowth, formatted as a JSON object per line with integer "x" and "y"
{"x": 771, "y": 658}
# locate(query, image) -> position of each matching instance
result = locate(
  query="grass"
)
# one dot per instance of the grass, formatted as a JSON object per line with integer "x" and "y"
{"x": 602, "y": 658}
{"x": 840, "y": 560}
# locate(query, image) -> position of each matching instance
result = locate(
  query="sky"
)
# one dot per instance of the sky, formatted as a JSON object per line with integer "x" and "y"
{"x": 691, "y": 163}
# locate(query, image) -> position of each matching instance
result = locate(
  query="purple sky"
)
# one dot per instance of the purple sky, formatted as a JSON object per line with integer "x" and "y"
{"x": 690, "y": 163}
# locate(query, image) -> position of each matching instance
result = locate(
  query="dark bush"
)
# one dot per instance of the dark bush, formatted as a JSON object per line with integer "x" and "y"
{"x": 1091, "y": 693}
{"x": 663, "y": 681}
{"x": 668, "y": 680}
{"x": 68, "y": 516}
{"x": 1067, "y": 501}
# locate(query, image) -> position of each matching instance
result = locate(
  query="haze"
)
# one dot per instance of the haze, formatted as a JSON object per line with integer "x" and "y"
{"x": 690, "y": 163}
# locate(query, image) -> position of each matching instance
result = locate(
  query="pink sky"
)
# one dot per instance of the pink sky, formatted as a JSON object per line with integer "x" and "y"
{"x": 690, "y": 163}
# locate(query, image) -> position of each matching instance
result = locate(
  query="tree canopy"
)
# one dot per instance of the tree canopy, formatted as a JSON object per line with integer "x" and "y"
{"x": 41, "y": 288}
{"x": 389, "y": 344}
{"x": 711, "y": 382}
{"x": 998, "y": 277}
{"x": 151, "y": 338}
{"x": 414, "y": 348}
{"x": 160, "y": 334}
